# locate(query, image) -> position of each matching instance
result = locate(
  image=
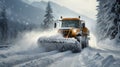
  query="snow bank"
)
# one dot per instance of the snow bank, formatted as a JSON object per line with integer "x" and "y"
{"x": 109, "y": 44}
{"x": 97, "y": 58}
{"x": 108, "y": 61}
{"x": 90, "y": 58}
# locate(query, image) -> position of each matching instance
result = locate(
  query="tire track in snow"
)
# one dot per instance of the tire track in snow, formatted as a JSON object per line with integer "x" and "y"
{"x": 45, "y": 61}
{"x": 18, "y": 59}
{"x": 69, "y": 61}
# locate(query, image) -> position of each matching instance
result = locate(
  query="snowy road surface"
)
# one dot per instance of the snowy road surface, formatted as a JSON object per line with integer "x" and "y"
{"x": 89, "y": 57}
{"x": 29, "y": 55}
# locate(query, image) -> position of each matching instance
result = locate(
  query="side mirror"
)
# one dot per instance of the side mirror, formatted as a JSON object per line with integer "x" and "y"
{"x": 55, "y": 25}
{"x": 61, "y": 17}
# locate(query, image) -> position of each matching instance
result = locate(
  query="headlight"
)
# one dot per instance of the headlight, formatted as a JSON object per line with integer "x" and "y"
{"x": 75, "y": 30}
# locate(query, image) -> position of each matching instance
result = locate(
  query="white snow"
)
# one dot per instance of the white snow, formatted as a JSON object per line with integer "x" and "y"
{"x": 25, "y": 53}
{"x": 29, "y": 55}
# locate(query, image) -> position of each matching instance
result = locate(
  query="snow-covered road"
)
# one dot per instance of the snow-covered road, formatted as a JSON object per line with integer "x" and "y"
{"x": 89, "y": 57}
{"x": 29, "y": 55}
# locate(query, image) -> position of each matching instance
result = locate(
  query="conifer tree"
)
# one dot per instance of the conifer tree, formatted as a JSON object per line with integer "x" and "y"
{"x": 48, "y": 21}
{"x": 108, "y": 19}
{"x": 3, "y": 24}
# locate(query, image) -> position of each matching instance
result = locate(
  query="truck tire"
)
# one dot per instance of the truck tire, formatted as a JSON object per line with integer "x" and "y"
{"x": 84, "y": 42}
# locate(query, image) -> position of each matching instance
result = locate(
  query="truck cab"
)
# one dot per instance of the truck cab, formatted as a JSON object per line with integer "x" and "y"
{"x": 70, "y": 27}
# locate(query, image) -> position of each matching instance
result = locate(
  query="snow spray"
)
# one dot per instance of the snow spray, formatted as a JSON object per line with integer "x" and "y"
{"x": 28, "y": 40}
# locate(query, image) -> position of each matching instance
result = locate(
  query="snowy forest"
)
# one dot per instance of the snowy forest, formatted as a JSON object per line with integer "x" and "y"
{"x": 10, "y": 29}
{"x": 11, "y": 26}
{"x": 108, "y": 20}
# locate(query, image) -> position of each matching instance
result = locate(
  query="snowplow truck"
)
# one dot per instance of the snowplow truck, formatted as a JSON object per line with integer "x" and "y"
{"x": 75, "y": 36}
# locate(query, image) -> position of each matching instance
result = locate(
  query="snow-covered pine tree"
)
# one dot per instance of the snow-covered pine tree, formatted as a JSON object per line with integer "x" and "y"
{"x": 108, "y": 19}
{"x": 3, "y": 25}
{"x": 49, "y": 19}
{"x": 100, "y": 20}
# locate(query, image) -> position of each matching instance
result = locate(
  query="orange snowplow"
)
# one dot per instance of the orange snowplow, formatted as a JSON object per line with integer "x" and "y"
{"x": 74, "y": 32}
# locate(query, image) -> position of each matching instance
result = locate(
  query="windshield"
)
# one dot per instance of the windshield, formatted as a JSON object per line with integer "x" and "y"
{"x": 70, "y": 23}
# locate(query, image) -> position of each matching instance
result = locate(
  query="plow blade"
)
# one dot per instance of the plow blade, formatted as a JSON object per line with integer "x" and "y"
{"x": 61, "y": 45}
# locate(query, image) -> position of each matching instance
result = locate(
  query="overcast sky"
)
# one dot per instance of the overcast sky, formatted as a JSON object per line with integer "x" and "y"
{"x": 85, "y": 7}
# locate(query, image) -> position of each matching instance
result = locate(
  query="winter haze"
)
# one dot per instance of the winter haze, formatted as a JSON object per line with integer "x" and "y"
{"x": 85, "y": 7}
{"x": 32, "y": 34}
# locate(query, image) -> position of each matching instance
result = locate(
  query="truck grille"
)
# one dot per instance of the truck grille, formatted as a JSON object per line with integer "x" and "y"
{"x": 65, "y": 32}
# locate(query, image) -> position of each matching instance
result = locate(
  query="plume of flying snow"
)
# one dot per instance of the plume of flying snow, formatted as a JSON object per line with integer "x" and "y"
{"x": 28, "y": 40}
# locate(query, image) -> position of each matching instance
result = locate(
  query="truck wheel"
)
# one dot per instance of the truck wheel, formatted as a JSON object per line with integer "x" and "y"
{"x": 84, "y": 42}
